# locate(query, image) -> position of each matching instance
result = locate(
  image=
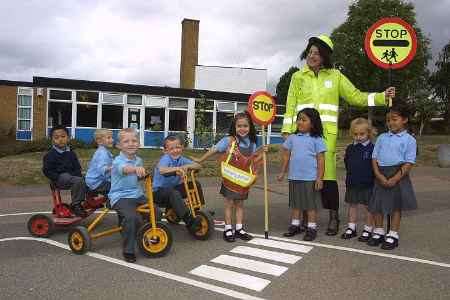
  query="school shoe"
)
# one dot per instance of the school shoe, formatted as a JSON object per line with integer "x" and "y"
{"x": 389, "y": 243}
{"x": 78, "y": 210}
{"x": 241, "y": 234}
{"x": 293, "y": 230}
{"x": 348, "y": 234}
{"x": 365, "y": 236}
{"x": 228, "y": 238}
{"x": 375, "y": 240}
{"x": 333, "y": 223}
{"x": 129, "y": 257}
{"x": 310, "y": 234}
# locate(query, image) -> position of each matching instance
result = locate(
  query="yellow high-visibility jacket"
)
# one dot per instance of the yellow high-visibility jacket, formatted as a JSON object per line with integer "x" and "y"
{"x": 322, "y": 92}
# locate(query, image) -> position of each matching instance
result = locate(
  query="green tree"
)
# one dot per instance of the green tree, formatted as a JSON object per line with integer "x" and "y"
{"x": 283, "y": 85}
{"x": 440, "y": 80}
{"x": 203, "y": 125}
{"x": 426, "y": 106}
{"x": 349, "y": 55}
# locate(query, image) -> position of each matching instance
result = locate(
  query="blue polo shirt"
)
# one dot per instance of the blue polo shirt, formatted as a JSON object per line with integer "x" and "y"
{"x": 393, "y": 149}
{"x": 98, "y": 169}
{"x": 123, "y": 185}
{"x": 161, "y": 181}
{"x": 303, "y": 161}
{"x": 244, "y": 142}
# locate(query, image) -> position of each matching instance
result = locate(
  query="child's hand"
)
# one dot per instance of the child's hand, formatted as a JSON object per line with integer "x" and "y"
{"x": 196, "y": 159}
{"x": 318, "y": 184}
{"x": 280, "y": 176}
{"x": 391, "y": 182}
{"x": 180, "y": 171}
{"x": 140, "y": 171}
{"x": 383, "y": 181}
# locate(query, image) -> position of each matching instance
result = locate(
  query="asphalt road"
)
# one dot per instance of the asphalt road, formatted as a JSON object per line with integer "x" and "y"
{"x": 278, "y": 268}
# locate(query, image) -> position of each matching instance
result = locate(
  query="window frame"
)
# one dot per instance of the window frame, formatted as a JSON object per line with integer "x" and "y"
{"x": 24, "y": 91}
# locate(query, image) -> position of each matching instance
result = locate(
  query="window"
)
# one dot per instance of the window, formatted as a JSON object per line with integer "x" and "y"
{"x": 59, "y": 113}
{"x": 277, "y": 124}
{"x": 204, "y": 104}
{"x": 225, "y": 106}
{"x": 113, "y": 98}
{"x": 178, "y": 103}
{"x": 134, "y": 99}
{"x": 83, "y": 96}
{"x": 86, "y": 115}
{"x": 154, "y": 119}
{"x": 60, "y": 95}
{"x": 242, "y": 107}
{"x": 112, "y": 116}
{"x": 24, "y": 110}
{"x": 204, "y": 122}
{"x": 224, "y": 120}
{"x": 177, "y": 120}
{"x": 281, "y": 109}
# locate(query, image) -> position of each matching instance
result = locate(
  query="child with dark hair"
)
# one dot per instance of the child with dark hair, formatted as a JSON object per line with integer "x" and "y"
{"x": 393, "y": 157}
{"x": 62, "y": 167}
{"x": 240, "y": 145}
{"x": 304, "y": 153}
{"x": 168, "y": 187}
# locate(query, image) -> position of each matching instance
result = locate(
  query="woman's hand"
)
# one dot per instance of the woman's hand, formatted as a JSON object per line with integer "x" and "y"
{"x": 318, "y": 184}
{"x": 280, "y": 176}
{"x": 390, "y": 92}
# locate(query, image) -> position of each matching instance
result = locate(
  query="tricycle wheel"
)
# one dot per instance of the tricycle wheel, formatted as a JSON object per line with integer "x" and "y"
{"x": 154, "y": 242}
{"x": 79, "y": 240}
{"x": 171, "y": 216}
{"x": 206, "y": 225}
{"x": 41, "y": 226}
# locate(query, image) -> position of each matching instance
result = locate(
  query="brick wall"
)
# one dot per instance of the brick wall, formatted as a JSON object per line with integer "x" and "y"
{"x": 39, "y": 114}
{"x": 8, "y": 111}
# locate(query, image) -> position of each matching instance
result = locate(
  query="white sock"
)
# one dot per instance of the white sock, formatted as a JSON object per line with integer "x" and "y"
{"x": 238, "y": 227}
{"x": 378, "y": 231}
{"x": 352, "y": 226}
{"x": 393, "y": 234}
{"x": 368, "y": 228}
{"x": 228, "y": 227}
{"x": 312, "y": 225}
{"x": 295, "y": 222}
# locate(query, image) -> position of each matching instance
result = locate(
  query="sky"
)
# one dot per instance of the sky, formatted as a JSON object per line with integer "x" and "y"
{"x": 138, "y": 41}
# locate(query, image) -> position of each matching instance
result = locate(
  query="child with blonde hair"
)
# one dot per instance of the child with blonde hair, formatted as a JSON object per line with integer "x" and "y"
{"x": 359, "y": 178}
{"x": 98, "y": 176}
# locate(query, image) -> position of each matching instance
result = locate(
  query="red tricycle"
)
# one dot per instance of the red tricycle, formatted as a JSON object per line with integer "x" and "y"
{"x": 41, "y": 225}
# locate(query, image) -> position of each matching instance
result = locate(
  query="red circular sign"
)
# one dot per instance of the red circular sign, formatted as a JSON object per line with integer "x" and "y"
{"x": 390, "y": 43}
{"x": 262, "y": 108}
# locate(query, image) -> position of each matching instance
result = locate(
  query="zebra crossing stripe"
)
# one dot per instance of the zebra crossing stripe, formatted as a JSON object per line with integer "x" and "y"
{"x": 231, "y": 277}
{"x": 250, "y": 264}
{"x": 266, "y": 254}
{"x": 280, "y": 245}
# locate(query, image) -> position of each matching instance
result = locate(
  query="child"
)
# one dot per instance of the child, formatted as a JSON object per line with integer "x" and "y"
{"x": 126, "y": 192}
{"x": 243, "y": 133}
{"x": 98, "y": 176}
{"x": 392, "y": 159}
{"x": 304, "y": 151}
{"x": 168, "y": 187}
{"x": 359, "y": 179}
{"x": 62, "y": 167}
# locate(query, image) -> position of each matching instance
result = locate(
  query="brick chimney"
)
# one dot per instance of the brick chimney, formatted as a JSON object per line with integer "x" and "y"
{"x": 189, "y": 53}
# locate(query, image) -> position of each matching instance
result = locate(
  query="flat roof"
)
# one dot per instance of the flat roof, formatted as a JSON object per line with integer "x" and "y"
{"x": 15, "y": 83}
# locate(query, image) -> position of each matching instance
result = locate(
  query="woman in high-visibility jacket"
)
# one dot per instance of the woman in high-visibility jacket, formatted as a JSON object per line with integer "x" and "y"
{"x": 320, "y": 86}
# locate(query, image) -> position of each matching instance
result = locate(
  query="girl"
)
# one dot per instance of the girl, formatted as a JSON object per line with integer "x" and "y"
{"x": 304, "y": 151}
{"x": 392, "y": 159}
{"x": 359, "y": 179}
{"x": 244, "y": 155}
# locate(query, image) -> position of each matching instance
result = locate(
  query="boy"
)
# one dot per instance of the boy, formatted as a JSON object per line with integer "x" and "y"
{"x": 168, "y": 188}
{"x": 126, "y": 193}
{"x": 62, "y": 167}
{"x": 98, "y": 176}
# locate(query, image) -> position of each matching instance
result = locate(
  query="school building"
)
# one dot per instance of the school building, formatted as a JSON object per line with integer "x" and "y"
{"x": 208, "y": 95}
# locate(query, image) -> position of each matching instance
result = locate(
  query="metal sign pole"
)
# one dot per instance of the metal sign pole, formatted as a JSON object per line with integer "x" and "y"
{"x": 266, "y": 200}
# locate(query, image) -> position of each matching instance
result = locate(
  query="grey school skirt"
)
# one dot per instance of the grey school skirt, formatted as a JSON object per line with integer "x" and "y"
{"x": 358, "y": 194}
{"x": 387, "y": 200}
{"x": 302, "y": 195}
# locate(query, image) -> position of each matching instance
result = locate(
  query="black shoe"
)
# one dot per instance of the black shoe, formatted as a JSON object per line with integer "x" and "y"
{"x": 293, "y": 230}
{"x": 241, "y": 234}
{"x": 375, "y": 240}
{"x": 348, "y": 234}
{"x": 389, "y": 243}
{"x": 78, "y": 210}
{"x": 365, "y": 236}
{"x": 228, "y": 238}
{"x": 333, "y": 227}
{"x": 129, "y": 257}
{"x": 310, "y": 234}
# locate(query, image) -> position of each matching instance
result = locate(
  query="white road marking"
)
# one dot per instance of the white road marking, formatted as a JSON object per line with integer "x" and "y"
{"x": 280, "y": 245}
{"x": 231, "y": 277}
{"x": 249, "y": 264}
{"x": 144, "y": 269}
{"x": 266, "y": 254}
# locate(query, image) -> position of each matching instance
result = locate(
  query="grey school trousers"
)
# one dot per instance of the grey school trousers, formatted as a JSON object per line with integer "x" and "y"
{"x": 75, "y": 184}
